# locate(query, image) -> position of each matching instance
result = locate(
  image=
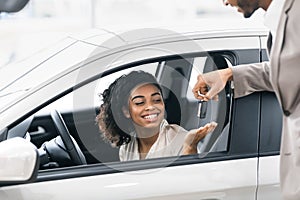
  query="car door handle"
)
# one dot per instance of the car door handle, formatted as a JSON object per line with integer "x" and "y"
{"x": 40, "y": 130}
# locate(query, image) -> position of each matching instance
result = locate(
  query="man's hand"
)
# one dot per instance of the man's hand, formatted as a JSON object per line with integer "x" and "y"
{"x": 210, "y": 84}
{"x": 194, "y": 136}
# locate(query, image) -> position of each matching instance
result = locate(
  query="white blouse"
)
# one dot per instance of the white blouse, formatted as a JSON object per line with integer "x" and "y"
{"x": 169, "y": 143}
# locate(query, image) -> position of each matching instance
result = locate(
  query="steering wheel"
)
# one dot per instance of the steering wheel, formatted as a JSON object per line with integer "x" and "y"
{"x": 70, "y": 144}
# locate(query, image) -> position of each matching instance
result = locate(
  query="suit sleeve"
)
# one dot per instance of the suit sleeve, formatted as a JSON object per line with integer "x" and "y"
{"x": 251, "y": 78}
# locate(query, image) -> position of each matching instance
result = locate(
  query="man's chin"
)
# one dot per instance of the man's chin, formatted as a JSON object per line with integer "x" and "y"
{"x": 248, "y": 14}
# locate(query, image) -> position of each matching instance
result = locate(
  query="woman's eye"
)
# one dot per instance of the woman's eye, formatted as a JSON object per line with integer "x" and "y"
{"x": 157, "y": 100}
{"x": 139, "y": 103}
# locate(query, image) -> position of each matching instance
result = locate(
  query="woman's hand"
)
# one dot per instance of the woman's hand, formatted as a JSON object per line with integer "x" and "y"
{"x": 194, "y": 136}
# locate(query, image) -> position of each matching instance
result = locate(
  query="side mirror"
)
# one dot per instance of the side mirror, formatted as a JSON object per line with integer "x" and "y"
{"x": 19, "y": 161}
{"x": 12, "y": 5}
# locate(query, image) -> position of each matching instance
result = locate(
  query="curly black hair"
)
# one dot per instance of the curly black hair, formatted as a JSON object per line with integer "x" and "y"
{"x": 113, "y": 124}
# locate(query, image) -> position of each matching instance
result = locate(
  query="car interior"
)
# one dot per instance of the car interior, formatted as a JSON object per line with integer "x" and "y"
{"x": 66, "y": 134}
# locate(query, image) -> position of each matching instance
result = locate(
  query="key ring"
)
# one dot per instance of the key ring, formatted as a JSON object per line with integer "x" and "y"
{"x": 199, "y": 94}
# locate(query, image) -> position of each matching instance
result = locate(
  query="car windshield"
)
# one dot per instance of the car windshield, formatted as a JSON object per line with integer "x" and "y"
{"x": 17, "y": 79}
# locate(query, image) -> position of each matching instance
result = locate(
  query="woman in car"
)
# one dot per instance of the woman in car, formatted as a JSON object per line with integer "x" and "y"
{"x": 132, "y": 117}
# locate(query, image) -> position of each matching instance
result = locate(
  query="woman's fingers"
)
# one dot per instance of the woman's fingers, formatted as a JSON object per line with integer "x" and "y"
{"x": 211, "y": 126}
{"x": 207, "y": 128}
{"x": 194, "y": 136}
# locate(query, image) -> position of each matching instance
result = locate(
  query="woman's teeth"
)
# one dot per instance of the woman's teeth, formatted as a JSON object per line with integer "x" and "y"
{"x": 151, "y": 116}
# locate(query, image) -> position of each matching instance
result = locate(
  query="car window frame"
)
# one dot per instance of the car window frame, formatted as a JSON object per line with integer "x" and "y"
{"x": 117, "y": 167}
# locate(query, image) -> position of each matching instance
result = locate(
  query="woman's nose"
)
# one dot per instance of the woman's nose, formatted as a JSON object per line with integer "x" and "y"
{"x": 150, "y": 106}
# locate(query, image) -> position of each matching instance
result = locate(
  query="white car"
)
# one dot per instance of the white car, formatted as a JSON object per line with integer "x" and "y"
{"x": 46, "y": 156}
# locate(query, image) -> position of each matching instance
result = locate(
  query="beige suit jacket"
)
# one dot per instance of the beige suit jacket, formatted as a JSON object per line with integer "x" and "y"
{"x": 281, "y": 75}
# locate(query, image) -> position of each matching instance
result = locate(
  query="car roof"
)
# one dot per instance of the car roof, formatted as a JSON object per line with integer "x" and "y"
{"x": 206, "y": 28}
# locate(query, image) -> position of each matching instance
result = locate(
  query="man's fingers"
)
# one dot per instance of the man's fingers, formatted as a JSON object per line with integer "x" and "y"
{"x": 200, "y": 89}
{"x": 210, "y": 95}
{"x": 210, "y": 84}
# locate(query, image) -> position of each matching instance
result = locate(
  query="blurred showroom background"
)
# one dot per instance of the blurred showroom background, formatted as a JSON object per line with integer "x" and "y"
{"x": 44, "y": 22}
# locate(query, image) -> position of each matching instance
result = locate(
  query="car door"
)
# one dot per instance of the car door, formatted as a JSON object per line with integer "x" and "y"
{"x": 270, "y": 138}
{"x": 225, "y": 169}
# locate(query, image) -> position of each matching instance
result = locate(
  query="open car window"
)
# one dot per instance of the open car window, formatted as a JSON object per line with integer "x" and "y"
{"x": 79, "y": 109}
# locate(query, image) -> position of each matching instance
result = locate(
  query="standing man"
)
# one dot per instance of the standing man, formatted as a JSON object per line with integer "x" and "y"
{"x": 281, "y": 75}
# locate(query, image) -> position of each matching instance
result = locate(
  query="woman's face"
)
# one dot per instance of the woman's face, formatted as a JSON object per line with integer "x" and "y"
{"x": 146, "y": 106}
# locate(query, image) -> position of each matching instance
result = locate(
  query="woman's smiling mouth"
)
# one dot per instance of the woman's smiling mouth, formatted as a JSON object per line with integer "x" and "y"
{"x": 151, "y": 117}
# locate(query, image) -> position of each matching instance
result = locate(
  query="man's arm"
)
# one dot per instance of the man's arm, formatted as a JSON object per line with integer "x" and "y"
{"x": 251, "y": 78}
{"x": 246, "y": 78}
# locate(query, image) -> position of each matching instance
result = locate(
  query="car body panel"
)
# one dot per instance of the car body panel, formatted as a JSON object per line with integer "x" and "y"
{"x": 174, "y": 182}
{"x": 269, "y": 178}
{"x": 240, "y": 170}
